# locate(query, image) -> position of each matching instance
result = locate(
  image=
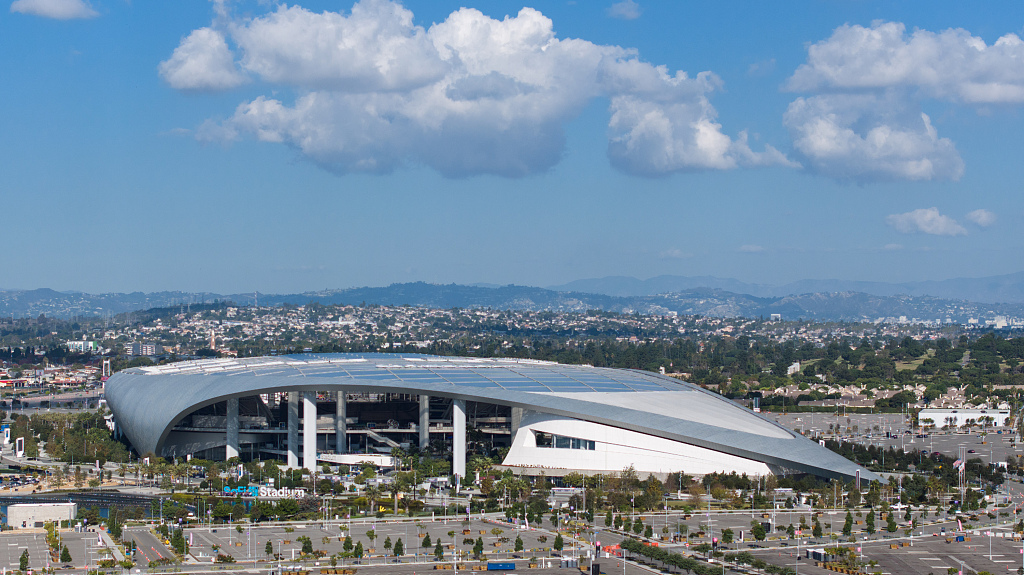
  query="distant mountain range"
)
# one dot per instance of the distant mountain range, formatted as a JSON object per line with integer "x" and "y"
{"x": 993, "y": 289}
{"x": 666, "y": 297}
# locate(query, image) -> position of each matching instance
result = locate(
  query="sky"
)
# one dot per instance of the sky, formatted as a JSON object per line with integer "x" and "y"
{"x": 240, "y": 145}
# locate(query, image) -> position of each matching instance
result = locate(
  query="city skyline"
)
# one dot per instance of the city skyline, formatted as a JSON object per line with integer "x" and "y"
{"x": 238, "y": 146}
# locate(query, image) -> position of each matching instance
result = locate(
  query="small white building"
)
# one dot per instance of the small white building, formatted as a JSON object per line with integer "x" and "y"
{"x": 82, "y": 346}
{"x": 940, "y": 418}
{"x": 31, "y": 515}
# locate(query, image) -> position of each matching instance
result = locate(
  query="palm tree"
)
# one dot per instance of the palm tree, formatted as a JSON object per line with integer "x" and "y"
{"x": 373, "y": 493}
{"x": 399, "y": 456}
{"x": 395, "y": 488}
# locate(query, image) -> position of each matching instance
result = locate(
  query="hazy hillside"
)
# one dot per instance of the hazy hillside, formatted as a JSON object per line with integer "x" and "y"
{"x": 994, "y": 289}
{"x": 844, "y": 305}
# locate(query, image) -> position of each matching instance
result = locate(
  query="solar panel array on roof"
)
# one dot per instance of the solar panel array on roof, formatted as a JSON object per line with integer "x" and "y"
{"x": 500, "y": 373}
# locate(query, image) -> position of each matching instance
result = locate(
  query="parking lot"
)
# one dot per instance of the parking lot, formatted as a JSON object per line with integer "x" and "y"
{"x": 251, "y": 542}
{"x": 921, "y": 556}
{"x": 891, "y": 430}
{"x": 857, "y": 425}
{"x": 82, "y": 546}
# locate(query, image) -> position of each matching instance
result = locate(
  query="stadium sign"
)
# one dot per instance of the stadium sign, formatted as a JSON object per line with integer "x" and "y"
{"x": 264, "y": 491}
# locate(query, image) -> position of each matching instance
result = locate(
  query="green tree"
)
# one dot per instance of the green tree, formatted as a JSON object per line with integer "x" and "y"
{"x": 559, "y": 543}
{"x": 347, "y": 545}
{"x": 757, "y": 529}
{"x": 23, "y": 561}
{"x": 791, "y": 531}
{"x": 307, "y": 545}
{"x": 727, "y": 536}
{"x": 648, "y": 531}
{"x": 358, "y": 551}
{"x": 438, "y": 550}
{"x": 618, "y": 522}
{"x": 478, "y": 547}
{"x": 387, "y": 544}
{"x": 269, "y": 549}
{"x": 399, "y": 548}
{"x": 178, "y": 542}
{"x": 848, "y": 525}
{"x": 519, "y": 543}
{"x": 638, "y": 526}
{"x": 65, "y": 555}
{"x": 427, "y": 543}
{"x": 816, "y": 531}
{"x": 890, "y": 524}
{"x": 608, "y": 519}
{"x": 870, "y": 521}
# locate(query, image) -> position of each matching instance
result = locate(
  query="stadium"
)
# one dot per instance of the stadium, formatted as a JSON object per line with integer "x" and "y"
{"x": 554, "y": 418}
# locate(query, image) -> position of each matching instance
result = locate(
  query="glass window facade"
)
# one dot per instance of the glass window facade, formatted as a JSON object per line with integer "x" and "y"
{"x": 562, "y": 442}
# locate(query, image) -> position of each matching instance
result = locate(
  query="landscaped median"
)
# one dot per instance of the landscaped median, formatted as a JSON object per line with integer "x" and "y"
{"x": 697, "y": 566}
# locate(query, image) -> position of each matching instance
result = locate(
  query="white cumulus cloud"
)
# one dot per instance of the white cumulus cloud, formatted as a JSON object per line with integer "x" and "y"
{"x": 625, "y": 10}
{"x": 863, "y": 119}
{"x": 951, "y": 64}
{"x": 927, "y": 221}
{"x": 468, "y": 95}
{"x": 982, "y": 217}
{"x": 202, "y": 62}
{"x": 867, "y": 137}
{"x": 56, "y": 9}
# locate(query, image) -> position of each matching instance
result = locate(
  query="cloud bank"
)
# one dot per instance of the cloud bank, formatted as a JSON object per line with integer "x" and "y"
{"x": 56, "y": 9}
{"x": 470, "y": 95}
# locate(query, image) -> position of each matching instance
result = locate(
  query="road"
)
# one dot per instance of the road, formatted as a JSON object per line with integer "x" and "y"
{"x": 148, "y": 547}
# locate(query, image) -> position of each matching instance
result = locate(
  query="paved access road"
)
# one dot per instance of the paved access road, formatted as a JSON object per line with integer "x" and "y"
{"x": 148, "y": 546}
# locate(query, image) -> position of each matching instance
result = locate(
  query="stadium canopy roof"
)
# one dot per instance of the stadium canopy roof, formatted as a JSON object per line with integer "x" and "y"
{"x": 148, "y": 401}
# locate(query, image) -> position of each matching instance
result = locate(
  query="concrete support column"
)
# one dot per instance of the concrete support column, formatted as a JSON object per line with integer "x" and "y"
{"x": 293, "y": 429}
{"x": 232, "y": 426}
{"x": 459, "y": 437}
{"x": 424, "y": 421}
{"x": 516, "y": 420}
{"x": 341, "y": 424}
{"x": 309, "y": 430}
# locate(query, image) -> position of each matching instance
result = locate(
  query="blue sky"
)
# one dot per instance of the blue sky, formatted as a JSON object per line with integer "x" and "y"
{"x": 247, "y": 145}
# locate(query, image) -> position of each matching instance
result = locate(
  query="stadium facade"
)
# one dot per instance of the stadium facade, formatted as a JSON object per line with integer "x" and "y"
{"x": 555, "y": 418}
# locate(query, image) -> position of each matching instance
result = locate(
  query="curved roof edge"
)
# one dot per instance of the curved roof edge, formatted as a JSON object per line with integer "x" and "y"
{"x": 147, "y": 406}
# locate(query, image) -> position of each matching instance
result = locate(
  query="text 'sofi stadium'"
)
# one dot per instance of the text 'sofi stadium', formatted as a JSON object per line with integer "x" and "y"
{"x": 556, "y": 418}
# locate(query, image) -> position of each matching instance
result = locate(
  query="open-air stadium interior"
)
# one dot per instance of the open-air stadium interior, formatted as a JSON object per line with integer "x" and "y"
{"x": 342, "y": 408}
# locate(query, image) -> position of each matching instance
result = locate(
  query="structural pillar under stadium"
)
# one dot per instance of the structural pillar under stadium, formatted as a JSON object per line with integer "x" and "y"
{"x": 293, "y": 429}
{"x": 231, "y": 445}
{"x": 459, "y": 438}
{"x": 309, "y": 430}
{"x": 424, "y": 421}
{"x": 341, "y": 424}
{"x": 515, "y": 421}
